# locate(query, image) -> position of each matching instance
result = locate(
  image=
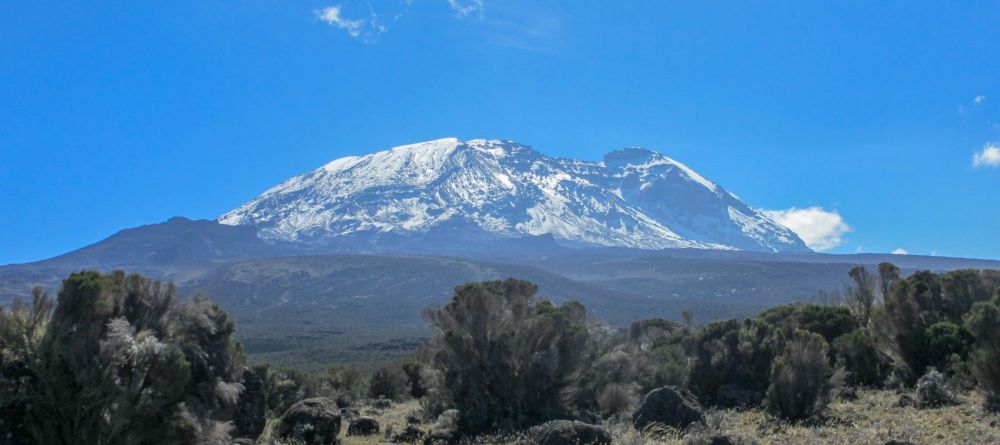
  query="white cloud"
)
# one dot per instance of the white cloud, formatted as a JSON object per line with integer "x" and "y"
{"x": 820, "y": 229}
{"x": 900, "y": 251}
{"x": 331, "y": 15}
{"x": 979, "y": 99}
{"x": 366, "y": 30}
{"x": 465, "y": 9}
{"x": 988, "y": 157}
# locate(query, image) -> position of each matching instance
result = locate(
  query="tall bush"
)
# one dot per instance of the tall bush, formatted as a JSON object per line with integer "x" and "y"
{"x": 826, "y": 320}
{"x": 913, "y": 305}
{"x": 731, "y": 361}
{"x": 21, "y": 331}
{"x": 122, "y": 363}
{"x": 345, "y": 384}
{"x": 800, "y": 378}
{"x": 389, "y": 382}
{"x": 983, "y": 321}
{"x": 865, "y": 364}
{"x": 506, "y": 359}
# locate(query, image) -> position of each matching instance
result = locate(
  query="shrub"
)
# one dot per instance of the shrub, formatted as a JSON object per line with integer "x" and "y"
{"x": 616, "y": 398}
{"x": 121, "y": 362}
{"x": 285, "y": 387}
{"x": 862, "y": 293}
{"x": 345, "y": 384}
{"x": 731, "y": 362}
{"x": 389, "y": 382}
{"x": 829, "y": 321}
{"x": 945, "y": 339}
{"x": 983, "y": 322}
{"x": 932, "y": 392}
{"x": 251, "y": 410}
{"x": 21, "y": 331}
{"x": 661, "y": 359}
{"x": 857, "y": 354}
{"x": 800, "y": 378}
{"x": 506, "y": 360}
{"x": 624, "y": 372}
{"x": 416, "y": 377}
{"x": 915, "y": 304}
{"x": 961, "y": 289}
{"x": 645, "y": 331}
{"x": 888, "y": 274}
{"x": 671, "y": 367}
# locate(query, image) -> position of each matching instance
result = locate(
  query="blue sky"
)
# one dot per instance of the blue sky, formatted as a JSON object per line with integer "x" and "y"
{"x": 881, "y": 116}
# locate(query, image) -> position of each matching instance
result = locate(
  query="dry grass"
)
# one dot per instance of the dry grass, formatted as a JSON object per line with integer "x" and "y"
{"x": 874, "y": 418}
{"x": 392, "y": 421}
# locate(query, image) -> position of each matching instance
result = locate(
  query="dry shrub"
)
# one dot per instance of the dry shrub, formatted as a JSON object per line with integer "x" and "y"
{"x": 800, "y": 379}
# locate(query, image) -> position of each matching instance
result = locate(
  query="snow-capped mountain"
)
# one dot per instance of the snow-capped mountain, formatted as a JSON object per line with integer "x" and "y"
{"x": 633, "y": 198}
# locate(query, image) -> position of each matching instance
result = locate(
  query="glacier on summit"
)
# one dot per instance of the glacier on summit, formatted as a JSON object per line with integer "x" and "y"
{"x": 633, "y": 198}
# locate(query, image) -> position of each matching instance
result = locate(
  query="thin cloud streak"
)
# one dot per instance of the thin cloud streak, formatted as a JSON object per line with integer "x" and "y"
{"x": 367, "y": 31}
{"x": 466, "y": 9}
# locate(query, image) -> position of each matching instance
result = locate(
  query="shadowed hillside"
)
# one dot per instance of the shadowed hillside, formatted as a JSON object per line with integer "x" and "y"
{"x": 307, "y": 305}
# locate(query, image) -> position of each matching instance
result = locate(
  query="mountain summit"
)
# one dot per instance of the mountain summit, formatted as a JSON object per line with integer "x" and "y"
{"x": 633, "y": 198}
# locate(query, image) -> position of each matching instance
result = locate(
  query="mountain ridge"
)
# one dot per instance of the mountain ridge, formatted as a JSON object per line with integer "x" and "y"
{"x": 634, "y": 198}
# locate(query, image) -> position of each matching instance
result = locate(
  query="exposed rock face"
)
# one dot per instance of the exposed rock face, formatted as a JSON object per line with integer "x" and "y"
{"x": 667, "y": 406}
{"x": 363, "y": 426}
{"x": 568, "y": 432}
{"x": 311, "y": 421}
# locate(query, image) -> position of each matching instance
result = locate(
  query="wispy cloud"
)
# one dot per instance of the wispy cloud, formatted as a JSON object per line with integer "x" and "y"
{"x": 467, "y": 8}
{"x": 520, "y": 24}
{"x": 977, "y": 101}
{"x": 989, "y": 156}
{"x": 365, "y": 30}
{"x": 332, "y": 16}
{"x": 900, "y": 251}
{"x": 820, "y": 229}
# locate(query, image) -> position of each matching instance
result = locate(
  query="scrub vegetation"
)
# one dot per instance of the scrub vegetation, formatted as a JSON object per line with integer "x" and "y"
{"x": 116, "y": 359}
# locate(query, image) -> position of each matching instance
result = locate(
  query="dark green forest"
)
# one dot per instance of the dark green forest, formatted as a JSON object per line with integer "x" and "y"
{"x": 117, "y": 359}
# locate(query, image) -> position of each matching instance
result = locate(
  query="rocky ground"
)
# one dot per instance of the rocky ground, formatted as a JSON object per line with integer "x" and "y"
{"x": 875, "y": 417}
